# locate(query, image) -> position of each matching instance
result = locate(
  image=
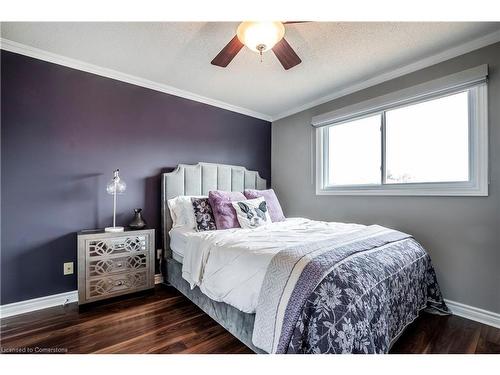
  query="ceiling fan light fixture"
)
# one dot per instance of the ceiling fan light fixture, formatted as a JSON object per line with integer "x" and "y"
{"x": 260, "y": 36}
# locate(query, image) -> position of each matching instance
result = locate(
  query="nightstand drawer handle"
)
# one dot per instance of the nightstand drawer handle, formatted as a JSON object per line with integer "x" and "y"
{"x": 118, "y": 283}
{"x": 119, "y": 264}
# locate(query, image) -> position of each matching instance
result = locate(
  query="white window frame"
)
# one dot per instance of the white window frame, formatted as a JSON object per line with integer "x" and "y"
{"x": 478, "y": 146}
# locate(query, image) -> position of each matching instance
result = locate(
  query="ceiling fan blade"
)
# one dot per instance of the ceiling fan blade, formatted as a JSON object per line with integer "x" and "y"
{"x": 286, "y": 55}
{"x": 228, "y": 52}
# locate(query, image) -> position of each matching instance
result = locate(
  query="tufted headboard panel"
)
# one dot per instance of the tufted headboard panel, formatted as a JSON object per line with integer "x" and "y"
{"x": 199, "y": 179}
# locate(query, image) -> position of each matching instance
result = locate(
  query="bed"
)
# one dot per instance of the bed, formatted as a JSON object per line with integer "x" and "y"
{"x": 296, "y": 286}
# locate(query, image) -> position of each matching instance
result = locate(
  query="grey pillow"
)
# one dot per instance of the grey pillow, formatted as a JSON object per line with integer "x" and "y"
{"x": 203, "y": 214}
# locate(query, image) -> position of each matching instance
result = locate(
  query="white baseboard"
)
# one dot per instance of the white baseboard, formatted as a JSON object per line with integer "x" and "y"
{"x": 34, "y": 304}
{"x": 465, "y": 311}
{"x": 29, "y": 305}
{"x": 474, "y": 313}
{"x": 158, "y": 278}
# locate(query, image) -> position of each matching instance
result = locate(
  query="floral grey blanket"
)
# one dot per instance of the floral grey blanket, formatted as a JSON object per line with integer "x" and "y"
{"x": 348, "y": 294}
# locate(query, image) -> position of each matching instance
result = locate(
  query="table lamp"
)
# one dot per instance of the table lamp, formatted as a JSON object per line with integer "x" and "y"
{"x": 114, "y": 187}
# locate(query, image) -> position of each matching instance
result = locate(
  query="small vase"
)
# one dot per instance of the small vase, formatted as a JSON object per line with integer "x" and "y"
{"x": 138, "y": 222}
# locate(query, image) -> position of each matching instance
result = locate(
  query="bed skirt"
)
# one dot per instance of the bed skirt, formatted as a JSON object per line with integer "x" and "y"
{"x": 238, "y": 323}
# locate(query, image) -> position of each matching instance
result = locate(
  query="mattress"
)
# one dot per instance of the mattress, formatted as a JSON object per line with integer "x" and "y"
{"x": 229, "y": 265}
{"x": 178, "y": 242}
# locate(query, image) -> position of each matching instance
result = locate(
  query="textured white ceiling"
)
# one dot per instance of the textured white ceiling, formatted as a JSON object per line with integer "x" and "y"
{"x": 334, "y": 55}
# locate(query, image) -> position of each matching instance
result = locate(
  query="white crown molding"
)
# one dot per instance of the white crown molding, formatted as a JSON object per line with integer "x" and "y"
{"x": 448, "y": 54}
{"x": 36, "y": 53}
{"x": 11, "y": 46}
{"x": 34, "y": 304}
{"x": 474, "y": 313}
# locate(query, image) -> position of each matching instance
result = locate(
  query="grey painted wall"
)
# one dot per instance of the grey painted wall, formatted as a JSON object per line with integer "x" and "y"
{"x": 462, "y": 234}
{"x": 64, "y": 131}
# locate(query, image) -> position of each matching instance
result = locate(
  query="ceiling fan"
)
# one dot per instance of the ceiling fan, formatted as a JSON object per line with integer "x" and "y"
{"x": 260, "y": 37}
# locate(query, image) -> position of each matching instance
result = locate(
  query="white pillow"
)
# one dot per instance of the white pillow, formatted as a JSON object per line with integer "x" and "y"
{"x": 252, "y": 213}
{"x": 182, "y": 211}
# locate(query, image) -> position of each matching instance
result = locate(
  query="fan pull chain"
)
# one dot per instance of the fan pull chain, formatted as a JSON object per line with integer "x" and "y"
{"x": 261, "y": 48}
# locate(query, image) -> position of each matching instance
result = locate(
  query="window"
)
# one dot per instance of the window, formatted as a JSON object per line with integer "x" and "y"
{"x": 434, "y": 144}
{"x": 354, "y": 152}
{"x": 428, "y": 142}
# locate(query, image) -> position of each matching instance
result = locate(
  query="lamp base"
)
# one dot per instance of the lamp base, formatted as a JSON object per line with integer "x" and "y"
{"x": 114, "y": 229}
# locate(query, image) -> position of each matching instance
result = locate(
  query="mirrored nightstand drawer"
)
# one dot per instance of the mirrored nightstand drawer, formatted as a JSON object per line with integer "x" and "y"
{"x": 110, "y": 266}
{"x": 116, "y": 246}
{"x": 107, "y": 286}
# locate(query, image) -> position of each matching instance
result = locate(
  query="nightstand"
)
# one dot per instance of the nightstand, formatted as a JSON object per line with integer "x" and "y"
{"x": 113, "y": 264}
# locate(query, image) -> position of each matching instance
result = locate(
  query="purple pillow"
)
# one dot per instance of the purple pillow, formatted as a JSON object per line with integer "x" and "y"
{"x": 223, "y": 210}
{"x": 273, "y": 205}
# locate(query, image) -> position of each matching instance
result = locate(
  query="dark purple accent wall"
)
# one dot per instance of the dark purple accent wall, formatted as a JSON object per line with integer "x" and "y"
{"x": 63, "y": 132}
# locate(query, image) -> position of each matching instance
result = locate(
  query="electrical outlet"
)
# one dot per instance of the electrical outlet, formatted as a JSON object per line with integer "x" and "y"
{"x": 159, "y": 253}
{"x": 68, "y": 268}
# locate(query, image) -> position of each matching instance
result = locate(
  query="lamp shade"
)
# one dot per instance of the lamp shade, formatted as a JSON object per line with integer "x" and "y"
{"x": 260, "y": 36}
{"x": 116, "y": 185}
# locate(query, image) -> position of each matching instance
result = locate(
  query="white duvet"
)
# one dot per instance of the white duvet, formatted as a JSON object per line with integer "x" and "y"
{"x": 229, "y": 265}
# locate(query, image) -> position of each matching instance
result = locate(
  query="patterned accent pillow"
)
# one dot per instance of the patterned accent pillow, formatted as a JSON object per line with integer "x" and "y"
{"x": 273, "y": 205}
{"x": 203, "y": 214}
{"x": 252, "y": 213}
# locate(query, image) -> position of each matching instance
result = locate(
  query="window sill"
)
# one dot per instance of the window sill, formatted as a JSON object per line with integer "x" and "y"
{"x": 461, "y": 191}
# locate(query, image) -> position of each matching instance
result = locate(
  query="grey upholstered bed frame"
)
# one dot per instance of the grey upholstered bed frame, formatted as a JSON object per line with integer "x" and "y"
{"x": 199, "y": 179}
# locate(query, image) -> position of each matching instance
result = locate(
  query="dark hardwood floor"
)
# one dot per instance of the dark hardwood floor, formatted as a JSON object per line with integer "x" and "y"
{"x": 167, "y": 322}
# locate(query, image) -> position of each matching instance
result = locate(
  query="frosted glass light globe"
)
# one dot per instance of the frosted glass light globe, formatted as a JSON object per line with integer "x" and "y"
{"x": 260, "y": 36}
{"x": 117, "y": 182}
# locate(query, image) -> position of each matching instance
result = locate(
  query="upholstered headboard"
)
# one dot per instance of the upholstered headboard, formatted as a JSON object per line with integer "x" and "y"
{"x": 199, "y": 179}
